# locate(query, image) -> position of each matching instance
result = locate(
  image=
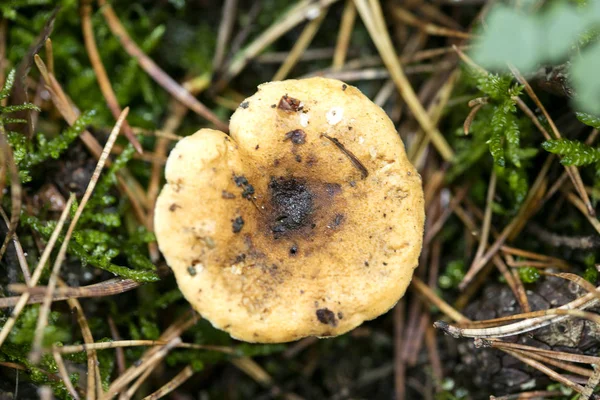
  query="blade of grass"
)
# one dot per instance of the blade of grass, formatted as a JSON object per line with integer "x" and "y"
{"x": 45, "y": 309}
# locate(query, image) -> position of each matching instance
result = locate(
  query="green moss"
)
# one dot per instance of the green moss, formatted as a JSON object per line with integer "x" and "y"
{"x": 529, "y": 274}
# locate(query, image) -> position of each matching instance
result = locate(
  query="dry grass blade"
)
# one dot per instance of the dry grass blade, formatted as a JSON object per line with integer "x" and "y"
{"x": 76, "y": 348}
{"x": 529, "y": 205}
{"x": 225, "y": 27}
{"x": 152, "y": 69}
{"x": 293, "y": 17}
{"x": 253, "y": 370}
{"x": 487, "y": 218}
{"x": 132, "y": 373}
{"x": 37, "y": 293}
{"x": 408, "y": 18}
{"x": 100, "y": 71}
{"x": 373, "y": 19}
{"x": 37, "y": 273}
{"x": 577, "y": 279}
{"x": 94, "y": 381}
{"x": 173, "y": 384}
{"x": 15, "y": 188}
{"x": 581, "y": 206}
{"x": 62, "y": 370}
{"x": 19, "y": 249}
{"x": 435, "y": 300}
{"x": 591, "y": 384}
{"x": 533, "y": 320}
{"x": 551, "y": 373}
{"x": 306, "y": 37}
{"x": 344, "y": 34}
{"x": 535, "y": 256}
{"x": 558, "y": 355}
{"x": 571, "y": 170}
{"x": 399, "y": 361}
{"x": 45, "y": 309}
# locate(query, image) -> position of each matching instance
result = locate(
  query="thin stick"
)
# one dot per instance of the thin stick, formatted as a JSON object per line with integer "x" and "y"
{"x": 552, "y": 374}
{"x": 136, "y": 371}
{"x": 16, "y": 193}
{"x": 579, "y": 204}
{"x": 539, "y": 320}
{"x": 36, "y": 294}
{"x": 19, "y": 250}
{"x": 225, "y": 27}
{"x": 557, "y": 355}
{"x": 45, "y": 309}
{"x": 431, "y": 29}
{"x": 100, "y": 71}
{"x": 94, "y": 381}
{"x": 173, "y": 384}
{"x": 119, "y": 353}
{"x": 37, "y": 273}
{"x": 76, "y": 348}
{"x": 591, "y": 384}
{"x": 155, "y": 72}
{"x": 430, "y": 295}
{"x": 62, "y": 370}
{"x": 344, "y": 34}
{"x": 487, "y": 218}
{"x": 399, "y": 363}
{"x": 509, "y": 230}
{"x": 293, "y": 17}
{"x": 572, "y": 170}
{"x": 301, "y": 44}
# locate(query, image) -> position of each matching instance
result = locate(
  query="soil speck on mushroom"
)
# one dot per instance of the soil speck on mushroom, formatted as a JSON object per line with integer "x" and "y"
{"x": 237, "y": 224}
{"x": 326, "y": 316}
{"x": 244, "y": 105}
{"x": 297, "y": 136}
{"x": 290, "y": 104}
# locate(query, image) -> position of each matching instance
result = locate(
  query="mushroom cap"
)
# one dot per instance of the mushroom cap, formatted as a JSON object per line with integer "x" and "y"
{"x": 307, "y": 221}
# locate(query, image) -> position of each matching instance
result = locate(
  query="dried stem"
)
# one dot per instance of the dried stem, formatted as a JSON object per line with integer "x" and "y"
{"x": 344, "y": 34}
{"x": 45, "y": 309}
{"x": 152, "y": 69}
{"x": 37, "y": 273}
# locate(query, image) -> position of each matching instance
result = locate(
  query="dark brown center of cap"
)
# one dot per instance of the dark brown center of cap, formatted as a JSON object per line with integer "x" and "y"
{"x": 292, "y": 203}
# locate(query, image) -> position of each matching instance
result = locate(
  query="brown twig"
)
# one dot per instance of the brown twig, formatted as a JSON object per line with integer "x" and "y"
{"x": 36, "y": 294}
{"x": 303, "y": 41}
{"x": 225, "y": 28}
{"x": 408, "y": 18}
{"x": 373, "y": 19}
{"x": 100, "y": 71}
{"x": 435, "y": 300}
{"x": 44, "y": 310}
{"x": 571, "y": 170}
{"x": 152, "y": 69}
{"x": 19, "y": 249}
{"x": 22, "y": 300}
{"x": 15, "y": 188}
{"x": 399, "y": 362}
{"x": 62, "y": 370}
{"x": 173, "y": 384}
{"x": 344, "y": 34}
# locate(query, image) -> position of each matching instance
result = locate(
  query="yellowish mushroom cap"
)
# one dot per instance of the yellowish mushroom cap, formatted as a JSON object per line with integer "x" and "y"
{"x": 307, "y": 221}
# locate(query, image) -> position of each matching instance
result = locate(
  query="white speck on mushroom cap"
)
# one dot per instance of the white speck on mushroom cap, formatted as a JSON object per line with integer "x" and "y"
{"x": 199, "y": 267}
{"x": 304, "y": 118}
{"x": 335, "y": 115}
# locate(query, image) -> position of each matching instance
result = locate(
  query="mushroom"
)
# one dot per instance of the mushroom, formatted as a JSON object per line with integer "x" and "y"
{"x": 306, "y": 221}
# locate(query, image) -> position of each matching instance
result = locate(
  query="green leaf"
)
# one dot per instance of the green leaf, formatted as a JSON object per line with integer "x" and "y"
{"x": 589, "y": 119}
{"x": 574, "y": 152}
